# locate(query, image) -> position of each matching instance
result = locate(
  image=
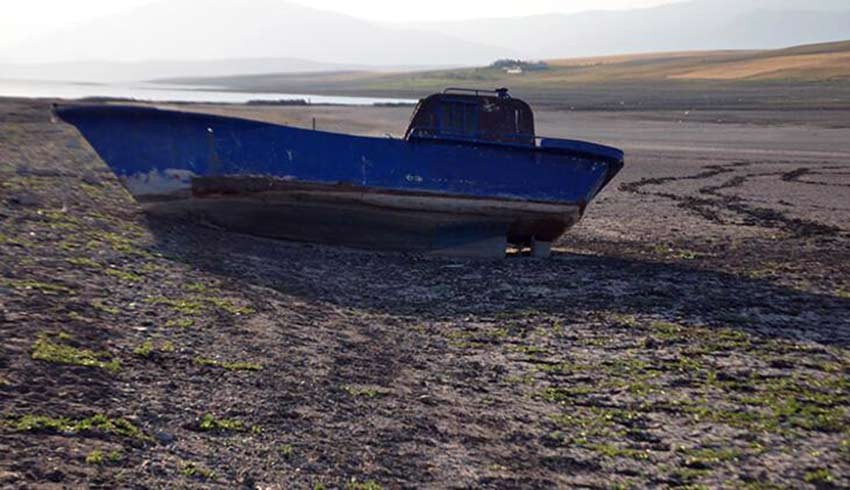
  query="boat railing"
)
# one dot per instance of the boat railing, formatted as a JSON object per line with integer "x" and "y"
{"x": 500, "y": 92}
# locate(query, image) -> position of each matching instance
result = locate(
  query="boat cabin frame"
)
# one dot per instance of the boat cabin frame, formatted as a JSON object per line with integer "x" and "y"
{"x": 470, "y": 115}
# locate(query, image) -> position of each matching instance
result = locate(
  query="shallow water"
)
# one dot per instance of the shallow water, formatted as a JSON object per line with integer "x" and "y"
{"x": 167, "y": 93}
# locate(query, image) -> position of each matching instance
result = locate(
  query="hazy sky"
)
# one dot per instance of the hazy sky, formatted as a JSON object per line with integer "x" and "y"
{"x": 23, "y": 19}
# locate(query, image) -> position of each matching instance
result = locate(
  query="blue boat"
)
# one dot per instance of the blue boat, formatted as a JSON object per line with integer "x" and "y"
{"x": 470, "y": 176}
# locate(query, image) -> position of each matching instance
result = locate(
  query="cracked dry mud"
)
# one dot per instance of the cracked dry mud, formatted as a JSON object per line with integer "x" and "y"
{"x": 693, "y": 331}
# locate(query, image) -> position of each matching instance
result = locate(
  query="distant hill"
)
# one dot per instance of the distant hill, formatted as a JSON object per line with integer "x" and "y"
{"x": 817, "y": 62}
{"x": 681, "y": 26}
{"x": 809, "y": 76}
{"x": 822, "y": 62}
{"x": 809, "y": 63}
{"x": 273, "y": 36}
{"x": 239, "y": 29}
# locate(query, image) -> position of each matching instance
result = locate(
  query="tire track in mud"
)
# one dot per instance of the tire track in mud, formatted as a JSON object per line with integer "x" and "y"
{"x": 711, "y": 202}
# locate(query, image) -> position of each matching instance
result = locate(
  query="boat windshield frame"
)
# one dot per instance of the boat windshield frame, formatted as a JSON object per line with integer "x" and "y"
{"x": 473, "y": 115}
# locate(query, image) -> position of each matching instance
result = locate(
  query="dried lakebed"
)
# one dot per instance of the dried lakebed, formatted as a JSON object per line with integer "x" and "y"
{"x": 693, "y": 331}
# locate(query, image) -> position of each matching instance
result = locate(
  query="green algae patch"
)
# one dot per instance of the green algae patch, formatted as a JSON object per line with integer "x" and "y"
{"x": 228, "y": 306}
{"x": 195, "y": 305}
{"x": 286, "y": 450}
{"x": 145, "y": 350}
{"x": 115, "y": 241}
{"x": 363, "y": 391}
{"x": 180, "y": 323}
{"x": 196, "y": 287}
{"x": 95, "y": 457}
{"x": 124, "y": 275}
{"x": 211, "y": 423}
{"x": 230, "y": 366}
{"x": 16, "y": 241}
{"x": 194, "y": 470}
{"x": 367, "y": 485}
{"x": 820, "y": 476}
{"x": 705, "y": 458}
{"x": 45, "y": 349}
{"x": 84, "y": 262}
{"x": 184, "y": 306}
{"x": 565, "y": 394}
{"x": 148, "y": 349}
{"x": 45, "y": 288}
{"x": 100, "y": 305}
{"x": 677, "y": 253}
{"x": 96, "y": 424}
{"x": 609, "y": 450}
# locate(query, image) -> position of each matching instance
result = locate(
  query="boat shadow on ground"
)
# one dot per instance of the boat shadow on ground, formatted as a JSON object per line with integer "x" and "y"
{"x": 571, "y": 288}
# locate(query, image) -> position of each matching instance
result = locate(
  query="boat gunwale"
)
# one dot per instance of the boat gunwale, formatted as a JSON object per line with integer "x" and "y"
{"x": 414, "y": 140}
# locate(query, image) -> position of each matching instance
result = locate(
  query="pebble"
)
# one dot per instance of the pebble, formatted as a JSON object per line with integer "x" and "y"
{"x": 165, "y": 437}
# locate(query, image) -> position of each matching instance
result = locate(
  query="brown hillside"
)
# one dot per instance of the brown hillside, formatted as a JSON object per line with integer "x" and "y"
{"x": 813, "y": 62}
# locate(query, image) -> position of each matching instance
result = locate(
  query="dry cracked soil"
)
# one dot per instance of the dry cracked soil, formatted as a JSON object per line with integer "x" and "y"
{"x": 692, "y": 331}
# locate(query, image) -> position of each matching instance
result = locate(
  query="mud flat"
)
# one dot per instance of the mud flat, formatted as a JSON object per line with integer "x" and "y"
{"x": 693, "y": 330}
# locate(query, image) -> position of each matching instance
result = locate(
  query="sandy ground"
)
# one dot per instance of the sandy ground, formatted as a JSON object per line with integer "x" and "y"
{"x": 692, "y": 331}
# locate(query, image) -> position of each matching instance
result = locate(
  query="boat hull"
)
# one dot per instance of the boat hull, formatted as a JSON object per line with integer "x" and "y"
{"x": 458, "y": 198}
{"x": 364, "y": 218}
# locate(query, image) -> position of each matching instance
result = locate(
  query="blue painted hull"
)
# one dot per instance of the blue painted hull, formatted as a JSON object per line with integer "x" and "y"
{"x": 160, "y": 152}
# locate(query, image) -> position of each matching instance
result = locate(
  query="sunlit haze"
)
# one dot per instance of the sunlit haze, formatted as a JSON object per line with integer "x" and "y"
{"x": 263, "y": 36}
{"x": 395, "y": 11}
{"x": 23, "y": 19}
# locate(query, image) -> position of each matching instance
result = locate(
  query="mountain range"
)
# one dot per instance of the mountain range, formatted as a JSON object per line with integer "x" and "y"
{"x": 683, "y": 26}
{"x": 229, "y": 37}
